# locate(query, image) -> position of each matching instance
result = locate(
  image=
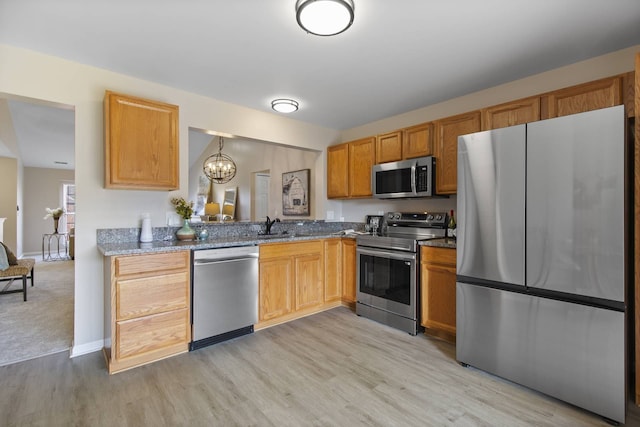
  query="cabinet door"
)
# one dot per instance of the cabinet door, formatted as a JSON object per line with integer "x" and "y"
{"x": 438, "y": 289}
{"x": 439, "y": 298}
{"x": 308, "y": 279}
{"x": 511, "y": 114}
{"x": 276, "y": 288}
{"x": 141, "y": 143}
{"x": 586, "y": 97}
{"x": 389, "y": 147}
{"x": 338, "y": 171}
{"x": 417, "y": 141}
{"x": 332, "y": 270}
{"x": 349, "y": 270}
{"x": 362, "y": 155}
{"x": 446, "y": 148}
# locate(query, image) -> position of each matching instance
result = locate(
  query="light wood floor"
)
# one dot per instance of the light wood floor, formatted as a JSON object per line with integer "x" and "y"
{"x": 333, "y": 369}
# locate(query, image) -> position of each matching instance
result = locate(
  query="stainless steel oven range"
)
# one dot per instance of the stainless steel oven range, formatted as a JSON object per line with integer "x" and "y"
{"x": 388, "y": 268}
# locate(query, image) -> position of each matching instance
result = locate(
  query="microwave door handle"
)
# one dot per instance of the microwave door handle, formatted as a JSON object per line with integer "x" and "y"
{"x": 414, "y": 168}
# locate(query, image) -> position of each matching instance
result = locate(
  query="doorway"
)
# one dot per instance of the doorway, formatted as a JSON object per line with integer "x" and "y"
{"x": 39, "y": 138}
{"x": 260, "y": 183}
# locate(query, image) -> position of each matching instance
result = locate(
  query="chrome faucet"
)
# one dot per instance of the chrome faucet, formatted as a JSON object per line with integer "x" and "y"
{"x": 269, "y": 224}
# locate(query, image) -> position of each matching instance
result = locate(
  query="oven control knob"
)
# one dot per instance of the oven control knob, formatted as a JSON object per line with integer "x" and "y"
{"x": 438, "y": 217}
{"x": 429, "y": 217}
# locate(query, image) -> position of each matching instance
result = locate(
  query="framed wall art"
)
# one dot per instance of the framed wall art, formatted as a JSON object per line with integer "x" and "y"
{"x": 295, "y": 192}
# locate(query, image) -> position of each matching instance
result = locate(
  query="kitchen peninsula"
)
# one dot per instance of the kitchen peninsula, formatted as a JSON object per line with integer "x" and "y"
{"x": 147, "y": 286}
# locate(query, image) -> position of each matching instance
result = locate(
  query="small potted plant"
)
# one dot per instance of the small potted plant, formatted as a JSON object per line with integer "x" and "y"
{"x": 185, "y": 210}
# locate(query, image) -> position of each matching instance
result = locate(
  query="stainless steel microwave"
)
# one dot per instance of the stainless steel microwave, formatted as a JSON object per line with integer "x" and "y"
{"x": 404, "y": 179}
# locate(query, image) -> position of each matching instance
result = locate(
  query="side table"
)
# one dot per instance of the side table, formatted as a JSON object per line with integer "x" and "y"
{"x": 57, "y": 253}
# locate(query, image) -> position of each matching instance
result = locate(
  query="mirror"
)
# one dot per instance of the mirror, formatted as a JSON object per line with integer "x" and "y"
{"x": 229, "y": 203}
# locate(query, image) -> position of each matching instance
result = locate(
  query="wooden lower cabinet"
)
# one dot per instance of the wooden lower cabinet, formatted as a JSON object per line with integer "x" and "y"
{"x": 308, "y": 276}
{"x": 349, "y": 271}
{"x": 301, "y": 278}
{"x": 275, "y": 288}
{"x": 147, "y": 308}
{"x": 438, "y": 291}
{"x": 291, "y": 280}
{"x": 332, "y": 270}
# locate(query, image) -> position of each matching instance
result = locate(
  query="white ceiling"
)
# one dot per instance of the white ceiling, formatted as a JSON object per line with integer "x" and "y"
{"x": 397, "y": 56}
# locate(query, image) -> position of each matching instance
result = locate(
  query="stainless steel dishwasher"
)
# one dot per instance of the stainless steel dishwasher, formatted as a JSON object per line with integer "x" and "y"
{"x": 224, "y": 297}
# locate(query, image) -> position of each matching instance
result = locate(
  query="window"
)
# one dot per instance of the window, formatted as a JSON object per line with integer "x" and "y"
{"x": 69, "y": 205}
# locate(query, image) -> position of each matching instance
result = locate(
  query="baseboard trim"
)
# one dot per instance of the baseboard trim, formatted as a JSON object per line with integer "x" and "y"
{"x": 90, "y": 347}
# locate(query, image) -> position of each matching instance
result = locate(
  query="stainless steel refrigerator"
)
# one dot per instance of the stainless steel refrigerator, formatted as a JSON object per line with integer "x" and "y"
{"x": 541, "y": 257}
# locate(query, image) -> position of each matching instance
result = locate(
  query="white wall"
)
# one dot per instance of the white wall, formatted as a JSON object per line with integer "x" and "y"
{"x": 41, "y": 191}
{"x": 82, "y": 87}
{"x": 608, "y": 65}
{"x": 22, "y": 75}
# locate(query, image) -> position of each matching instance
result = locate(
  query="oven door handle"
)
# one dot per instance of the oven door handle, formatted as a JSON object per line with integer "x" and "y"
{"x": 407, "y": 256}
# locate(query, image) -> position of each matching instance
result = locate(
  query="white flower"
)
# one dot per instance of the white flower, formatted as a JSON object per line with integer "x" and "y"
{"x": 55, "y": 213}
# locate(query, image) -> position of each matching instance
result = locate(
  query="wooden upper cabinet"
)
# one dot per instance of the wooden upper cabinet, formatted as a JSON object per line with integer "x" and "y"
{"x": 447, "y": 132}
{"x": 141, "y": 143}
{"x": 585, "y": 97}
{"x": 417, "y": 141}
{"x": 338, "y": 171}
{"x": 362, "y": 156}
{"x": 389, "y": 147}
{"x": 511, "y": 114}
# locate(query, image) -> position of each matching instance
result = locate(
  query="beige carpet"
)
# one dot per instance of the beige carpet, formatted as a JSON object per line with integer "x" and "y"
{"x": 44, "y": 323}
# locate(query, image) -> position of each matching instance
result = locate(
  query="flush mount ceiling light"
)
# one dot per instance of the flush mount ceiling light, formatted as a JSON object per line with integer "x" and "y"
{"x": 324, "y": 17}
{"x": 219, "y": 167}
{"x": 283, "y": 105}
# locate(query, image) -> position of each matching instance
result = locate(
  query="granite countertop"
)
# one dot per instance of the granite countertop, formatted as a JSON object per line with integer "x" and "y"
{"x": 445, "y": 242}
{"x": 132, "y": 248}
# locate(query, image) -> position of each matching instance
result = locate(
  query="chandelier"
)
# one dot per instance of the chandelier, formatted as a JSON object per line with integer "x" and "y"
{"x": 219, "y": 167}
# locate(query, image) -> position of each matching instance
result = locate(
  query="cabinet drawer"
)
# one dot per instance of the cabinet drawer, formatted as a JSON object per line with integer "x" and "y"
{"x": 152, "y": 263}
{"x": 144, "y": 296}
{"x": 277, "y": 250}
{"x": 433, "y": 255}
{"x": 151, "y": 333}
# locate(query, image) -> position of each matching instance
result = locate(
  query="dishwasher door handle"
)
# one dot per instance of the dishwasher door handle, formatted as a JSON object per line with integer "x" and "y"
{"x": 204, "y": 262}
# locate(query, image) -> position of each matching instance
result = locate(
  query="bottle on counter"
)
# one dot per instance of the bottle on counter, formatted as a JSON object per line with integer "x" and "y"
{"x": 146, "y": 235}
{"x": 451, "y": 227}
